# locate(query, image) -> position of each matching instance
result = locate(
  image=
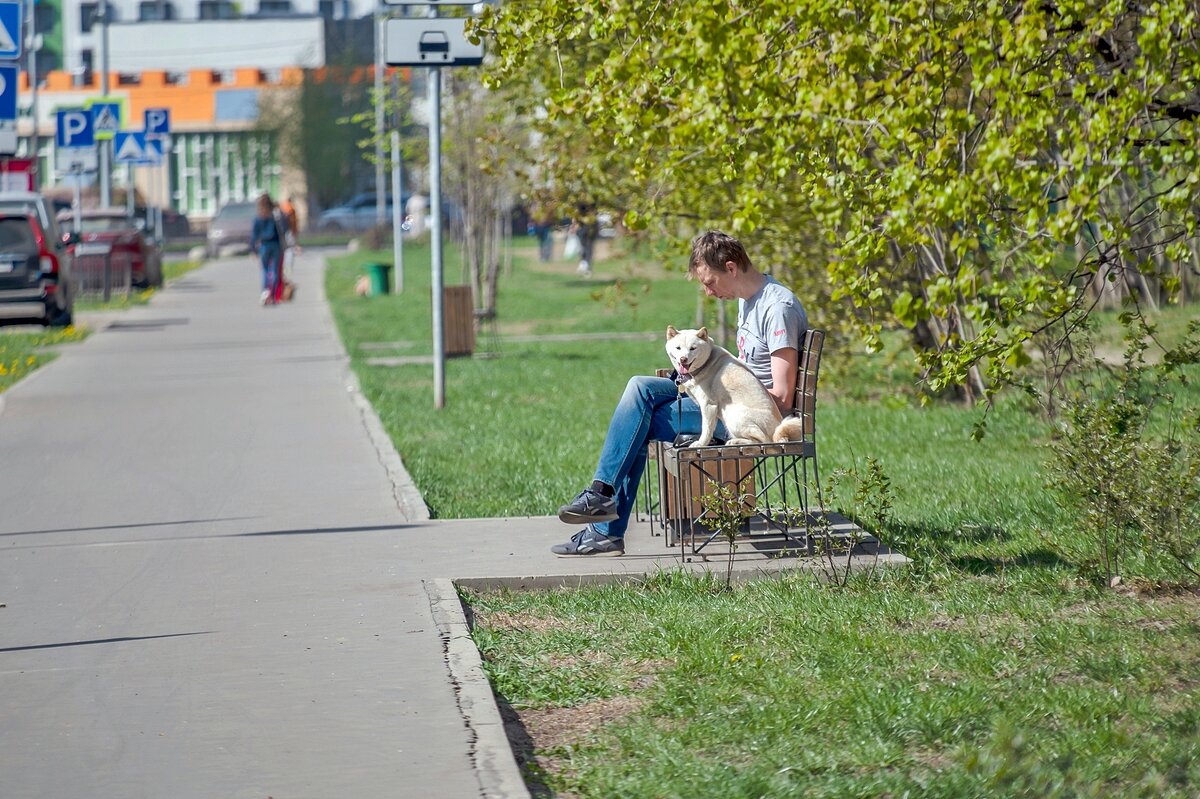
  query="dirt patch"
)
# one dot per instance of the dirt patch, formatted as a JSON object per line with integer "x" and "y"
{"x": 536, "y": 734}
{"x": 502, "y": 621}
{"x": 565, "y": 726}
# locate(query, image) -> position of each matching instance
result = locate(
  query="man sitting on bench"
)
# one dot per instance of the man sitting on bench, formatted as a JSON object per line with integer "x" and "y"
{"x": 771, "y": 324}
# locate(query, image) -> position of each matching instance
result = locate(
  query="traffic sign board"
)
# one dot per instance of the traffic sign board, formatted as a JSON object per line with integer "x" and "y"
{"x": 8, "y": 91}
{"x": 73, "y": 129}
{"x": 157, "y": 121}
{"x": 10, "y": 30}
{"x": 106, "y": 116}
{"x": 134, "y": 147}
{"x": 430, "y": 42}
{"x": 8, "y": 137}
{"x": 75, "y": 160}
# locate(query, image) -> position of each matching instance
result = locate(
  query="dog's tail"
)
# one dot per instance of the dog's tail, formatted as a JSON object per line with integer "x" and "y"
{"x": 790, "y": 429}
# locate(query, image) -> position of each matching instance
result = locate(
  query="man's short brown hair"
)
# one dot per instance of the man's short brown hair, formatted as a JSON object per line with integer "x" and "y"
{"x": 713, "y": 249}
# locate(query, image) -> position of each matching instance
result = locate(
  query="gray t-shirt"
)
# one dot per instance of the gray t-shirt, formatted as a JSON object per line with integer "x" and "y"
{"x": 773, "y": 319}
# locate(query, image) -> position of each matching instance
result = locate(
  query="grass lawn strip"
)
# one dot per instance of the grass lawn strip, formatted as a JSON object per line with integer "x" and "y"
{"x": 23, "y": 352}
{"x": 791, "y": 688}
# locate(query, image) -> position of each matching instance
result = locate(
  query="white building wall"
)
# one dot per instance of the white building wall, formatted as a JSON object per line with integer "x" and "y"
{"x": 218, "y": 44}
{"x": 130, "y": 36}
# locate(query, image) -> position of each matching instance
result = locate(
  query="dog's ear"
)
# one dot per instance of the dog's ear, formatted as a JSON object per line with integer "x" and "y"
{"x": 671, "y": 331}
{"x": 702, "y": 333}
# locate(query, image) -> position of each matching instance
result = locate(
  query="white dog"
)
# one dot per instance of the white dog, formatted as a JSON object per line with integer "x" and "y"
{"x": 726, "y": 389}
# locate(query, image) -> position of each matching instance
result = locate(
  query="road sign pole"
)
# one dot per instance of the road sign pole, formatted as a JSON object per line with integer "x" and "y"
{"x": 397, "y": 214}
{"x": 435, "y": 207}
{"x": 130, "y": 199}
{"x": 380, "y": 191}
{"x": 78, "y": 204}
{"x": 105, "y": 146}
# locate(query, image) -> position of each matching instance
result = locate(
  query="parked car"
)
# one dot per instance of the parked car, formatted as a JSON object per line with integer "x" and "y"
{"x": 229, "y": 233}
{"x": 175, "y": 224}
{"x": 35, "y": 268}
{"x": 110, "y": 233}
{"x": 357, "y": 214}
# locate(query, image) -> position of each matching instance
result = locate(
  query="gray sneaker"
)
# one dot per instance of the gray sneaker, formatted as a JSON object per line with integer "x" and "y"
{"x": 588, "y": 507}
{"x": 589, "y": 542}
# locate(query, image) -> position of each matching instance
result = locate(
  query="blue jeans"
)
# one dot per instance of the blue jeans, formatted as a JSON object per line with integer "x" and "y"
{"x": 651, "y": 409}
{"x": 270, "y": 255}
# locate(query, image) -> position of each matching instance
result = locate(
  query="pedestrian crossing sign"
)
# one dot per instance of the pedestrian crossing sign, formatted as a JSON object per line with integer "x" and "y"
{"x": 10, "y": 30}
{"x": 106, "y": 116}
{"x": 133, "y": 147}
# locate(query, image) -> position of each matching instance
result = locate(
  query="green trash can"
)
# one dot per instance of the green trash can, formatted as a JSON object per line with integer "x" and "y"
{"x": 379, "y": 278}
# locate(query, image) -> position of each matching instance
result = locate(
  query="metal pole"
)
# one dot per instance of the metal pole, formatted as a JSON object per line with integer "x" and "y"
{"x": 397, "y": 214}
{"x": 130, "y": 199}
{"x": 380, "y": 199}
{"x": 104, "y": 145}
{"x": 435, "y": 232}
{"x": 78, "y": 175}
{"x": 34, "y": 43}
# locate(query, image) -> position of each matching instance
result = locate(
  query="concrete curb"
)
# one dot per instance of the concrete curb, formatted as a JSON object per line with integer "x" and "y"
{"x": 491, "y": 753}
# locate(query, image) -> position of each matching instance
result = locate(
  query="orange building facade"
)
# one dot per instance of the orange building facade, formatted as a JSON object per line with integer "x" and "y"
{"x": 219, "y": 151}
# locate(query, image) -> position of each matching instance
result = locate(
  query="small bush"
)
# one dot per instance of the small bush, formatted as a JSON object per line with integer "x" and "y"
{"x": 1128, "y": 464}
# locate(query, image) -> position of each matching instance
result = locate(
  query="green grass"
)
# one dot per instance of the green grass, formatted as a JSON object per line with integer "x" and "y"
{"x": 994, "y": 672}
{"x": 509, "y": 412}
{"x": 789, "y": 688}
{"x": 22, "y": 352}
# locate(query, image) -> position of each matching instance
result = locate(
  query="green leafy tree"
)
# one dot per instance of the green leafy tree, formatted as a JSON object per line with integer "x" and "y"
{"x": 311, "y": 124}
{"x": 983, "y": 173}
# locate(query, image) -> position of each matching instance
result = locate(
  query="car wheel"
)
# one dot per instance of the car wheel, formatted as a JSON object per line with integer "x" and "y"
{"x": 58, "y": 317}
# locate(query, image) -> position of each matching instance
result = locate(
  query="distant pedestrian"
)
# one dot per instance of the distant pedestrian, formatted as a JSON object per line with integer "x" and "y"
{"x": 291, "y": 242}
{"x": 267, "y": 238}
{"x": 541, "y": 225}
{"x": 586, "y": 227}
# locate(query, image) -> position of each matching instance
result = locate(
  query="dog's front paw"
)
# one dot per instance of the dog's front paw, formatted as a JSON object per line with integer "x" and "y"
{"x": 700, "y": 442}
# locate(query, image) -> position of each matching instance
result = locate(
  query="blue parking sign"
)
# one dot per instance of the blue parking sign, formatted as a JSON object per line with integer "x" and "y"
{"x": 74, "y": 128}
{"x": 157, "y": 121}
{"x": 10, "y": 30}
{"x": 8, "y": 91}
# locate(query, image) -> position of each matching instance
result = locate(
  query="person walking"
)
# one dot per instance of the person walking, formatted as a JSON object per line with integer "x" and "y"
{"x": 771, "y": 324}
{"x": 586, "y": 227}
{"x": 291, "y": 246}
{"x": 267, "y": 237}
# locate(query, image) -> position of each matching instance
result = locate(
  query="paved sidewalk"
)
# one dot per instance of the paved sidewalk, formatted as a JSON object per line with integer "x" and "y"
{"x": 217, "y": 580}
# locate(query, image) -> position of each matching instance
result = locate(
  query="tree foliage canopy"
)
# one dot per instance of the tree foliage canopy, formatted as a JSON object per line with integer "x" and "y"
{"x": 980, "y": 170}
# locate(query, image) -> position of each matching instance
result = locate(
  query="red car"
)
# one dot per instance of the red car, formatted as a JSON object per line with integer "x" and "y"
{"x": 111, "y": 233}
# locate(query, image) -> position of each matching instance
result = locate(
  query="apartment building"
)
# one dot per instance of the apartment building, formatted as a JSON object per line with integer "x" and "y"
{"x": 209, "y": 62}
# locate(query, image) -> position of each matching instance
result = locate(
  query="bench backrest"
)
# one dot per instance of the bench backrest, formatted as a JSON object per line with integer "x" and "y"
{"x": 807, "y": 370}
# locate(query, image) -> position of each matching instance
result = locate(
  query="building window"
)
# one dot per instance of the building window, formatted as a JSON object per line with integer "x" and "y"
{"x": 274, "y": 8}
{"x": 334, "y": 9}
{"x": 89, "y": 14}
{"x": 217, "y": 9}
{"x": 156, "y": 10}
{"x": 44, "y": 19}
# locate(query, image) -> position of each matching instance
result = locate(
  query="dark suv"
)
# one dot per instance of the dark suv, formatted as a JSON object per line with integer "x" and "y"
{"x": 35, "y": 271}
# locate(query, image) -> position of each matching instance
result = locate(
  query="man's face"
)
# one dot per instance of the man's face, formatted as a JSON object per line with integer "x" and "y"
{"x": 717, "y": 282}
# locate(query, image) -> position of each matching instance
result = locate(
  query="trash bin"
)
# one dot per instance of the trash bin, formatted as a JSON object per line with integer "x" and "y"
{"x": 379, "y": 278}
